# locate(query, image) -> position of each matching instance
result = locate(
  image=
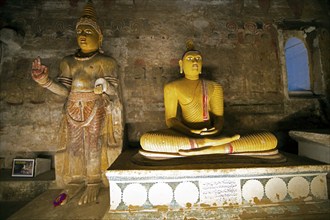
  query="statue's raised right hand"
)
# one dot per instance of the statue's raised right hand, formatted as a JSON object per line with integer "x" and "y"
{"x": 39, "y": 72}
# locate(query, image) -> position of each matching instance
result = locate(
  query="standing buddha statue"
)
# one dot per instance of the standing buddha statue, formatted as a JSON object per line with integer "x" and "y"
{"x": 88, "y": 79}
{"x": 198, "y": 130}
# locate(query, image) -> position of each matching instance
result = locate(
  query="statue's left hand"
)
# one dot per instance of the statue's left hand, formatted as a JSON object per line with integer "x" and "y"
{"x": 100, "y": 86}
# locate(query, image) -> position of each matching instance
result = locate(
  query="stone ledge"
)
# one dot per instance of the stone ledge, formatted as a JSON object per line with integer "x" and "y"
{"x": 313, "y": 144}
{"x": 318, "y": 136}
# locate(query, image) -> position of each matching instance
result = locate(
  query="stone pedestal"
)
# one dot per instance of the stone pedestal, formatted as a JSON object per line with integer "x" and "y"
{"x": 138, "y": 188}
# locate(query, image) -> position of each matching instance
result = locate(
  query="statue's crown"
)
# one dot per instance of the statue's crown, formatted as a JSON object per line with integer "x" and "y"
{"x": 89, "y": 17}
{"x": 89, "y": 11}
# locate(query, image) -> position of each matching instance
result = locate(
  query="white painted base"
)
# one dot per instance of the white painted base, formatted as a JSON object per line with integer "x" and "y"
{"x": 181, "y": 189}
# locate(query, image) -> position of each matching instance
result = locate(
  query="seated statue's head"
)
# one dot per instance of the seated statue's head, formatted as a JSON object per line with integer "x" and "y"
{"x": 89, "y": 34}
{"x": 191, "y": 62}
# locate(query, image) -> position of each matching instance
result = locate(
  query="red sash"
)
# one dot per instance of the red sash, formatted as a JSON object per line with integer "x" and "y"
{"x": 205, "y": 103}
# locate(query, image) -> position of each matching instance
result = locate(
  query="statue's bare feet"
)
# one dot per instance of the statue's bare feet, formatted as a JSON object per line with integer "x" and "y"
{"x": 91, "y": 193}
{"x": 70, "y": 191}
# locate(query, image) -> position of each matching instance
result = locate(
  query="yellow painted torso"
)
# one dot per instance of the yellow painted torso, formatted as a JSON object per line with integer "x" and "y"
{"x": 188, "y": 94}
{"x": 84, "y": 73}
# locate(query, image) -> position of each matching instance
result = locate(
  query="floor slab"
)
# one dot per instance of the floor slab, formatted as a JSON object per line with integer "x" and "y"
{"x": 42, "y": 208}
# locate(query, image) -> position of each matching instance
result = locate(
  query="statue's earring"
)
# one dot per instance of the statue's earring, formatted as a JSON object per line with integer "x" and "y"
{"x": 180, "y": 64}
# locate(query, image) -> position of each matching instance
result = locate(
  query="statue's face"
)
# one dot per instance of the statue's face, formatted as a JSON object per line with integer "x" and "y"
{"x": 192, "y": 63}
{"x": 88, "y": 39}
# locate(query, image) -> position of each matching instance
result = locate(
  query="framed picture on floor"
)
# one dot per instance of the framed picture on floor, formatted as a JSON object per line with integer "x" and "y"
{"x": 23, "y": 168}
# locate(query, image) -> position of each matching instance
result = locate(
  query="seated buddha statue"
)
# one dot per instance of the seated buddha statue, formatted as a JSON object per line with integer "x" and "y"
{"x": 88, "y": 80}
{"x": 194, "y": 115}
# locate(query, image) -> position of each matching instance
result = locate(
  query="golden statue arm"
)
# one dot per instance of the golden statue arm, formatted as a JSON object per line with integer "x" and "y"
{"x": 110, "y": 82}
{"x": 57, "y": 88}
{"x": 171, "y": 106}
{"x": 39, "y": 74}
{"x": 171, "y": 111}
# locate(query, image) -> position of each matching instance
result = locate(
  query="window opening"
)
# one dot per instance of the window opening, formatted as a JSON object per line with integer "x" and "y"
{"x": 297, "y": 67}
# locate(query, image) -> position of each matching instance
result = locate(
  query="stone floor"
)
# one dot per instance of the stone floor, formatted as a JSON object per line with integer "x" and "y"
{"x": 16, "y": 192}
{"x": 8, "y": 208}
{"x": 42, "y": 208}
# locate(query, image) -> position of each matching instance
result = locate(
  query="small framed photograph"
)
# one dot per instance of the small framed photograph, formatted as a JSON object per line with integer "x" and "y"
{"x": 23, "y": 168}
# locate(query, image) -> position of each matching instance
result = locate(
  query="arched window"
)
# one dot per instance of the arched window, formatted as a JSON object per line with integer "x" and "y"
{"x": 297, "y": 67}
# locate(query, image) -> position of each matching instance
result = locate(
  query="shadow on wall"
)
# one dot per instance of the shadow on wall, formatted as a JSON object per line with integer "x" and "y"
{"x": 285, "y": 142}
{"x": 305, "y": 120}
{"x": 325, "y": 110}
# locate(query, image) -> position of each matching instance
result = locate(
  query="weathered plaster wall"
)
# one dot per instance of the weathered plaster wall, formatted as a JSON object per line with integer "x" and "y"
{"x": 240, "y": 42}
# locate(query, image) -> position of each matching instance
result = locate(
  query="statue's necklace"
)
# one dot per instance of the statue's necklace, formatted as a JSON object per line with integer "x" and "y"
{"x": 83, "y": 57}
